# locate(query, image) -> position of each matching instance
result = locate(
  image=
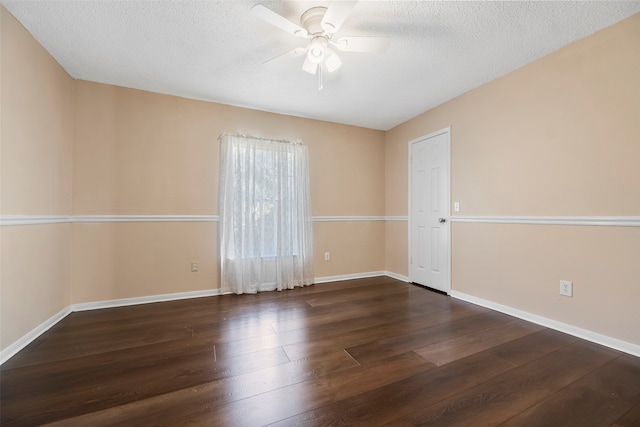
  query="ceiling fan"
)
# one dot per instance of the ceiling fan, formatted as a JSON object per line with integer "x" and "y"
{"x": 318, "y": 25}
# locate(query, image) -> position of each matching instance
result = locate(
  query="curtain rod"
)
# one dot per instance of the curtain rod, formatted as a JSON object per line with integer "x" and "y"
{"x": 259, "y": 138}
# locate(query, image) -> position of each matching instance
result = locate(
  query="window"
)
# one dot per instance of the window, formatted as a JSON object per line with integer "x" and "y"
{"x": 265, "y": 215}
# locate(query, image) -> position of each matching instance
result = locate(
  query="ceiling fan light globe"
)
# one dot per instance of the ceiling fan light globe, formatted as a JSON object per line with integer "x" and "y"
{"x": 309, "y": 67}
{"x": 316, "y": 51}
{"x": 332, "y": 61}
{"x": 315, "y": 56}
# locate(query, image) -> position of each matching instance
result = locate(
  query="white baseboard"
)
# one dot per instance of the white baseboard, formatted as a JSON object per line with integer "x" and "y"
{"x": 84, "y": 306}
{"x": 595, "y": 337}
{"x": 340, "y": 278}
{"x": 397, "y": 276}
{"x": 24, "y": 341}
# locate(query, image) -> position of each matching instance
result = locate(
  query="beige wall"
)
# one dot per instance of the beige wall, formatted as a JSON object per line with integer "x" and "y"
{"x": 558, "y": 137}
{"x": 141, "y": 153}
{"x": 36, "y": 135}
{"x": 153, "y": 154}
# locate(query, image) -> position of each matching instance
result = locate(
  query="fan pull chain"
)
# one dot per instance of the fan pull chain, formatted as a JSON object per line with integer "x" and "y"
{"x": 320, "y": 77}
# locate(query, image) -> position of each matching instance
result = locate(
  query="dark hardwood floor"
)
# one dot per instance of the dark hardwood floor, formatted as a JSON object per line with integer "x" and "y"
{"x": 363, "y": 352}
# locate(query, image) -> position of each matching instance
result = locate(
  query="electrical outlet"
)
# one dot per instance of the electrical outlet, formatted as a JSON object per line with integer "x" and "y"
{"x": 566, "y": 288}
{"x": 194, "y": 267}
{"x": 327, "y": 256}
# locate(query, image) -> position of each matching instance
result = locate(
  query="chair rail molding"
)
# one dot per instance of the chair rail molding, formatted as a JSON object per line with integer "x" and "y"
{"x": 12, "y": 220}
{"x": 607, "y": 221}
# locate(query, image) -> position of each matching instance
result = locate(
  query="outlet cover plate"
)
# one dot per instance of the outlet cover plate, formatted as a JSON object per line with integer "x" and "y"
{"x": 566, "y": 288}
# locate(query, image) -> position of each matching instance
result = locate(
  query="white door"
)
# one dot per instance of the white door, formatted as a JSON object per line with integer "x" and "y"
{"x": 429, "y": 257}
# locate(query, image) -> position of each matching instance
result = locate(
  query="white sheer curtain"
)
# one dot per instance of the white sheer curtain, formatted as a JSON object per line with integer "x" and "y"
{"x": 265, "y": 215}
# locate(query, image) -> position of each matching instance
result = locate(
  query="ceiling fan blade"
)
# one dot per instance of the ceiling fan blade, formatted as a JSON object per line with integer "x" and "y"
{"x": 336, "y": 14}
{"x": 309, "y": 66}
{"x": 362, "y": 44}
{"x": 299, "y": 51}
{"x": 279, "y": 21}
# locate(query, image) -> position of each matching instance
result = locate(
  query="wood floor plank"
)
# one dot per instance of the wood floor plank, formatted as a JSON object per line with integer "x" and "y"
{"x": 199, "y": 402}
{"x": 332, "y": 334}
{"x": 456, "y": 348}
{"x": 69, "y": 347}
{"x": 119, "y": 328}
{"x": 353, "y": 309}
{"x": 285, "y": 402}
{"x": 198, "y": 406}
{"x": 436, "y": 328}
{"x": 630, "y": 419}
{"x": 402, "y": 323}
{"x": 382, "y": 405}
{"x": 86, "y": 385}
{"x": 330, "y": 298}
{"x": 502, "y": 397}
{"x": 531, "y": 347}
{"x": 597, "y": 399}
{"x": 359, "y": 352}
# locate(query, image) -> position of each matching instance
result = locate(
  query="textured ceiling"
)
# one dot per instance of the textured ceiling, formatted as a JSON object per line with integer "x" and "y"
{"x": 215, "y": 50}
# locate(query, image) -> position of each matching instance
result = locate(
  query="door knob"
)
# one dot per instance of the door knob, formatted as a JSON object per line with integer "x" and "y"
{"x": 441, "y": 220}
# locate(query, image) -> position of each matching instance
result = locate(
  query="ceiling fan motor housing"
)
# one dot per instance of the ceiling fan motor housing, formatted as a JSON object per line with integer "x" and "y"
{"x": 311, "y": 20}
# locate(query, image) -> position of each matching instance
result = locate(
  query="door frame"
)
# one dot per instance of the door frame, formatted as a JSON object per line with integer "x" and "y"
{"x": 446, "y": 131}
